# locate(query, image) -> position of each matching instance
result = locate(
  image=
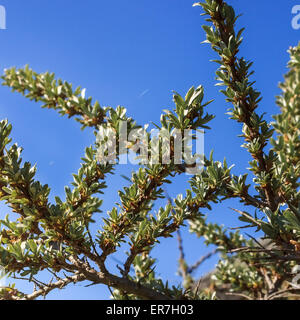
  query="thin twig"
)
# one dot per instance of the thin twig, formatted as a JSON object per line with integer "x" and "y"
{"x": 192, "y": 268}
{"x": 282, "y": 293}
{"x": 238, "y": 295}
{"x": 91, "y": 240}
{"x": 182, "y": 264}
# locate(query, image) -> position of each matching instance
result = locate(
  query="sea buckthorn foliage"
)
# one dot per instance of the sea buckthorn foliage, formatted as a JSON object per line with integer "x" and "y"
{"x": 56, "y": 237}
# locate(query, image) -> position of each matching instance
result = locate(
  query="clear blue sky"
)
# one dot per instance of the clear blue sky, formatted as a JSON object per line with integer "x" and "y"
{"x": 133, "y": 53}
